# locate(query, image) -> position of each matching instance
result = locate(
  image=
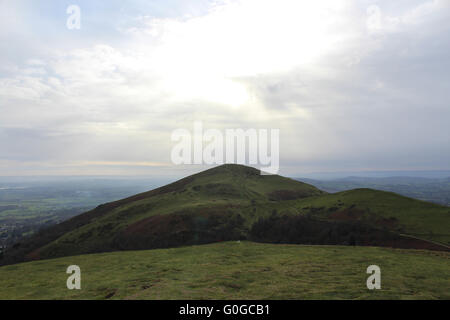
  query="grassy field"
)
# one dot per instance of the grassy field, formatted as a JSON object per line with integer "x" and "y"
{"x": 235, "y": 270}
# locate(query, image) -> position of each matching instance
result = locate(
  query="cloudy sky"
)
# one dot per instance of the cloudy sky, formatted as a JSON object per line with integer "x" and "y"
{"x": 352, "y": 85}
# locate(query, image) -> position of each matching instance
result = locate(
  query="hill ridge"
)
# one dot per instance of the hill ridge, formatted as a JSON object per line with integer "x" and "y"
{"x": 226, "y": 203}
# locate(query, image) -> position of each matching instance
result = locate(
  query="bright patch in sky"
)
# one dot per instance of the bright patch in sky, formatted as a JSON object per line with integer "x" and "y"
{"x": 201, "y": 57}
{"x": 350, "y": 84}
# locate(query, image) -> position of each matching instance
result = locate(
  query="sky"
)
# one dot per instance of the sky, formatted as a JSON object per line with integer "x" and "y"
{"x": 351, "y": 85}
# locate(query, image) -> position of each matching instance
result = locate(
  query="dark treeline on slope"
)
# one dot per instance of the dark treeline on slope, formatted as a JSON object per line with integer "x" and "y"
{"x": 307, "y": 230}
{"x": 19, "y": 251}
{"x": 159, "y": 231}
{"x": 186, "y": 228}
{"x": 300, "y": 229}
{"x": 180, "y": 229}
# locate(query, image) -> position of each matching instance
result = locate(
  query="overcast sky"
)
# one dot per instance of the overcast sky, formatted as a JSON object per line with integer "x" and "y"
{"x": 352, "y": 85}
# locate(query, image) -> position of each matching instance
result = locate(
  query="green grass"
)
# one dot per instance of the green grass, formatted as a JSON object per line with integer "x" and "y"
{"x": 418, "y": 218}
{"x": 221, "y": 186}
{"x": 232, "y": 270}
{"x": 233, "y": 190}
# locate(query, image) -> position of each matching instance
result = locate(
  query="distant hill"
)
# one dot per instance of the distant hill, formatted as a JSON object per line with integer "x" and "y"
{"x": 235, "y": 202}
{"x": 427, "y": 189}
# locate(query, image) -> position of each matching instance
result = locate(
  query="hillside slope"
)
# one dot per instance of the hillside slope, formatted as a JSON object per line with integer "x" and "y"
{"x": 213, "y": 205}
{"x": 385, "y": 210}
{"x": 234, "y": 202}
{"x": 234, "y": 270}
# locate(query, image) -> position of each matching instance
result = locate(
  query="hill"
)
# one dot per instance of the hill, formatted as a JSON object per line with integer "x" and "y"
{"x": 231, "y": 270}
{"x": 213, "y": 205}
{"x": 385, "y": 210}
{"x": 436, "y": 190}
{"x": 234, "y": 202}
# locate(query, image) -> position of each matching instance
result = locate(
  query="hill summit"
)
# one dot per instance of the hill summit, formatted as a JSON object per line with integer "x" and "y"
{"x": 235, "y": 202}
{"x": 213, "y": 205}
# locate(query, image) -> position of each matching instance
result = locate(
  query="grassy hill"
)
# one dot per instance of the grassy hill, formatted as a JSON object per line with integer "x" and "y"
{"x": 225, "y": 203}
{"x": 213, "y": 205}
{"x": 232, "y": 270}
{"x": 384, "y": 209}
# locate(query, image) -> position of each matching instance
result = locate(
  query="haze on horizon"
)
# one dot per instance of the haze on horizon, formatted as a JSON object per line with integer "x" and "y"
{"x": 352, "y": 85}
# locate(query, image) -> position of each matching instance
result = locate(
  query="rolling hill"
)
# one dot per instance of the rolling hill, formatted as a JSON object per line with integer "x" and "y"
{"x": 384, "y": 209}
{"x": 235, "y": 202}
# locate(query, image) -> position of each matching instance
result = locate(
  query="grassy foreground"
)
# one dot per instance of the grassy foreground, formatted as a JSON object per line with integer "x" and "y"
{"x": 233, "y": 270}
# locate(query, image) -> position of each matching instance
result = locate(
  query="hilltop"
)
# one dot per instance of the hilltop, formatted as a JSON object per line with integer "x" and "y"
{"x": 213, "y": 205}
{"x": 235, "y": 202}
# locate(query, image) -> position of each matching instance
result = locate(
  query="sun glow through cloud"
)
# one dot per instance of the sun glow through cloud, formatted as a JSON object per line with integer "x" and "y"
{"x": 347, "y": 82}
{"x": 201, "y": 57}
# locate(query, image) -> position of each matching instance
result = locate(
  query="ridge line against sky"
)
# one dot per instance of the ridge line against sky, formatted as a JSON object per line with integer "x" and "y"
{"x": 352, "y": 85}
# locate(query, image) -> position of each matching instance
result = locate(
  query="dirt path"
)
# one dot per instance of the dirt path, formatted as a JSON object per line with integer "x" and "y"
{"x": 425, "y": 240}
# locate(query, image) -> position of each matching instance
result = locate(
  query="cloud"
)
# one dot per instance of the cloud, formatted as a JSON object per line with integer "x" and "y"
{"x": 349, "y": 85}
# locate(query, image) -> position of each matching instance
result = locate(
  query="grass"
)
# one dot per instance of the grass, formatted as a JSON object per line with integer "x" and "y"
{"x": 418, "y": 218}
{"x": 235, "y": 189}
{"x": 232, "y": 270}
{"x": 233, "y": 186}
